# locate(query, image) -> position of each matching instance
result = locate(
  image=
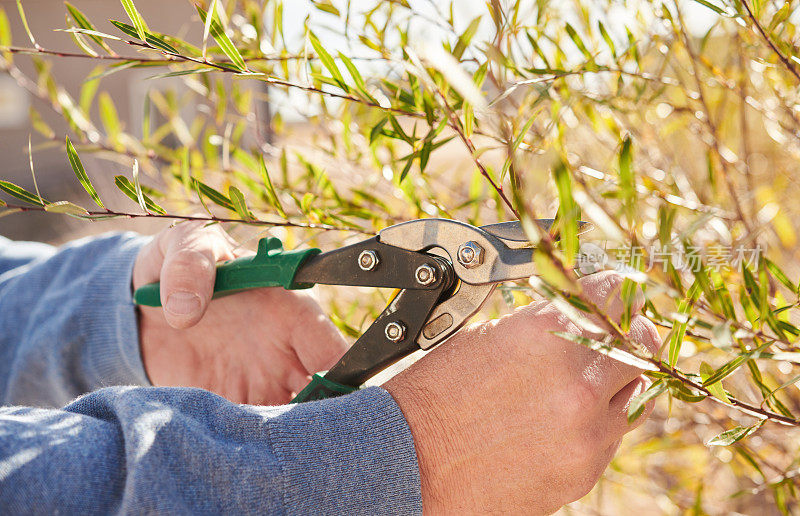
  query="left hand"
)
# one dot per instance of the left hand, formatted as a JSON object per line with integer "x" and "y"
{"x": 258, "y": 346}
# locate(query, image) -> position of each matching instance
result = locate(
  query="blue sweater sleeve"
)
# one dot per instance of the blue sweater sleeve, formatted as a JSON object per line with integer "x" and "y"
{"x": 68, "y": 327}
{"x": 187, "y": 451}
{"x": 68, "y": 323}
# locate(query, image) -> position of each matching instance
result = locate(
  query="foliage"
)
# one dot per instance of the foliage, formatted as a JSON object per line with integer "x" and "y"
{"x": 676, "y": 143}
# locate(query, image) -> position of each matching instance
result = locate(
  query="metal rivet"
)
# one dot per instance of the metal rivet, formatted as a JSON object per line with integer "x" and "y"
{"x": 368, "y": 260}
{"x": 395, "y": 331}
{"x": 425, "y": 274}
{"x": 470, "y": 255}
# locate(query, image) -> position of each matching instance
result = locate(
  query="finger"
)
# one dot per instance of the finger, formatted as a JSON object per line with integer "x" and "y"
{"x": 191, "y": 252}
{"x": 612, "y": 376}
{"x": 603, "y": 290}
{"x": 297, "y": 380}
{"x": 148, "y": 264}
{"x": 620, "y": 403}
{"x": 317, "y": 342}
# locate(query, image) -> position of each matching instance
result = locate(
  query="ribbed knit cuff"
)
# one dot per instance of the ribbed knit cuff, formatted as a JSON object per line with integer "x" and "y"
{"x": 353, "y": 455}
{"x": 109, "y": 322}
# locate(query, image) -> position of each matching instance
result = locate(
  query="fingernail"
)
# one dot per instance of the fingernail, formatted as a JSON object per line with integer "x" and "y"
{"x": 183, "y": 303}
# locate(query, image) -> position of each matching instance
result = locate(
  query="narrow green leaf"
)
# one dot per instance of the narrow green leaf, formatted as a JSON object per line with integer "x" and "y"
{"x": 628, "y": 296}
{"x": 181, "y": 73}
{"x": 20, "y": 193}
{"x": 207, "y": 25}
{"x": 77, "y": 167}
{"x": 573, "y": 35}
{"x": 716, "y": 388}
{"x": 515, "y": 145}
{"x": 425, "y": 154}
{"x": 111, "y": 70}
{"x": 626, "y": 176}
{"x": 136, "y": 18}
{"x": 5, "y": 29}
{"x": 271, "y": 193}
{"x": 568, "y": 212}
{"x": 101, "y": 35}
{"x": 239, "y": 204}
{"x": 607, "y": 38}
{"x": 25, "y": 23}
{"x": 637, "y": 404}
{"x": 137, "y": 185}
{"x": 683, "y": 392}
{"x": 679, "y": 331}
{"x": 146, "y": 117}
{"x": 327, "y": 60}
{"x": 733, "y": 435}
{"x": 326, "y": 6}
{"x": 752, "y": 287}
{"x": 781, "y": 276}
{"x": 150, "y": 38}
{"x": 713, "y": 7}
{"x": 407, "y": 167}
{"x": 83, "y": 22}
{"x": 224, "y": 42}
{"x": 66, "y": 208}
{"x": 358, "y": 79}
{"x": 83, "y": 44}
{"x": 33, "y": 172}
{"x": 40, "y": 125}
{"x": 466, "y": 37}
{"x": 126, "y": 187}
{"x": 726, "y": 370}
{"x": 109, "y": 116}
{"x": 89, "y": 90}
{"x": 215, "y": 196}
{"x": 377, "y": 130}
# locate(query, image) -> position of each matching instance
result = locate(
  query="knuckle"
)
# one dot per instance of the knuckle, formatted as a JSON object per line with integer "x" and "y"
{"x": 556, "y": 320}
{"x": 601, "y": 286}
{"x": 586, "y": 397}
{"x": 189, "y": 262}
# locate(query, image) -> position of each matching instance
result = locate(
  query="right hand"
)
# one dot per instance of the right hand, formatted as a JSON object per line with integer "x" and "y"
{"x": 509, "y": 418}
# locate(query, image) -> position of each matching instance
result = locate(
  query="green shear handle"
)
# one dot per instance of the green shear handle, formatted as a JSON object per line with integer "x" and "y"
{"x": 270, "y": 267}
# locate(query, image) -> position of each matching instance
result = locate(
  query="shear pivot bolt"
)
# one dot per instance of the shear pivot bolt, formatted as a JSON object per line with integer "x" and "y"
{"x": 395, "y": 331}
{"x": 470, "y": 255}
{"x": 425, "y": 274}
{"x": 368, "y": 260}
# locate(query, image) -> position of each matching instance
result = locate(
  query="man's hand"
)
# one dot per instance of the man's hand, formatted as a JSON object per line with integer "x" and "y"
{"x": 509, "y": 418}
{"x": 254, "y": 347}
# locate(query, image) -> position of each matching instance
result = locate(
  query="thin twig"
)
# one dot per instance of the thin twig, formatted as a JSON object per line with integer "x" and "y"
{"x": 169, "y": 216}
{"x": 455, "y": 124}
{"x": 169, "y": 58}
{"x": 786, "y": 62}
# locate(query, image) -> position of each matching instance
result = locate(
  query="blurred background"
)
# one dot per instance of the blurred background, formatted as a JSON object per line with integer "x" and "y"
{"x": 129, "y": 89}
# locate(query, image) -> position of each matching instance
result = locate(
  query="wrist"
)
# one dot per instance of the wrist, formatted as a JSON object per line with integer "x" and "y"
{"x": 428, "y": 398}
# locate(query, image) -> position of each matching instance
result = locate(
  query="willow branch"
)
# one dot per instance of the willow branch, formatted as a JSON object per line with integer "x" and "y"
{"x": 169, "y": 58}
{"x": 169, "y": 216}
{"x": 455, "y": 124}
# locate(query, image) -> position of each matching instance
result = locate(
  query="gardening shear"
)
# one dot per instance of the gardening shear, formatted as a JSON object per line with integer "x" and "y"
{"x": 444, "y": 269}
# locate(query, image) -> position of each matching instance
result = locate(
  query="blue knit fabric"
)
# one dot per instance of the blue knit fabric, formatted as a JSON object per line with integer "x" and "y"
{"x": 68, "y": 327}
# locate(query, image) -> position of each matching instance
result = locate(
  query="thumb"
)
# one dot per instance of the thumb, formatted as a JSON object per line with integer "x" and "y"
{"x": 188, "y": 273}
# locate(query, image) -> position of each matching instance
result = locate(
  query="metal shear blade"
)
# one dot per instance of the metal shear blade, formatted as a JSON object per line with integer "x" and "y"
{"x": 481, "y": 258}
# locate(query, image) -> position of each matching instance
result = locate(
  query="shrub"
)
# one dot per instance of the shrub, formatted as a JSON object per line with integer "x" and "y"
{"x": 680, "y": 144}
